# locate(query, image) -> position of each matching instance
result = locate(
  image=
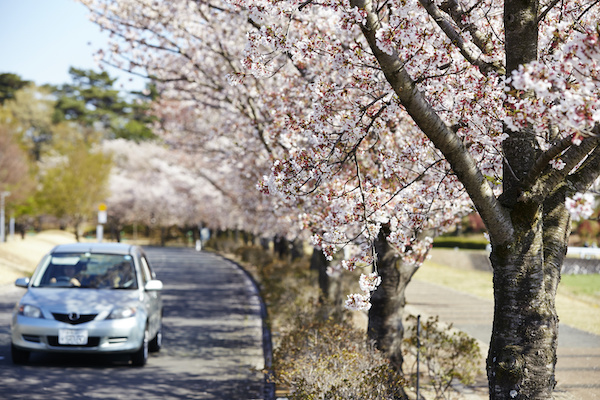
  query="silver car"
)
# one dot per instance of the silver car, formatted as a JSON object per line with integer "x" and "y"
{"x": 89, "y": 298}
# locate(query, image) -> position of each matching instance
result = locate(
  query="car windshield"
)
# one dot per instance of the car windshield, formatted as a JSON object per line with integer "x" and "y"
{"x": 87, "y": 270}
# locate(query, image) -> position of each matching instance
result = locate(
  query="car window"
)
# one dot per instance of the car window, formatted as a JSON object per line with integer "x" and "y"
{"x": 87, "y": 270}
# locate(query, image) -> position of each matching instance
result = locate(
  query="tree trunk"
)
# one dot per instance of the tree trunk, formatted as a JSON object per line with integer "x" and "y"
{"x": 77, "y": 224}
{"x": 281, "y": 247}
{"x": 522, "y": 356}
{"x": 163, "y": 236}
{"x": 318, "y": 262}
{"x": 297, "y": 249}
{"x": 385, "y": 326}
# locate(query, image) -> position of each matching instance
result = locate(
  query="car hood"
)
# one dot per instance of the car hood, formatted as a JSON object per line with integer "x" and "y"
{"x": 82, "y": 301}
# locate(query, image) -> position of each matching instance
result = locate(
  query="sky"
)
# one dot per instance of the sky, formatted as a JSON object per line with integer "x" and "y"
{"x": 41, "y": 39}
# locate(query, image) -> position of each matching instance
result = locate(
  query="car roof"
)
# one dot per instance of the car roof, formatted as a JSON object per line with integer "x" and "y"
{"x": 105, "y": 248}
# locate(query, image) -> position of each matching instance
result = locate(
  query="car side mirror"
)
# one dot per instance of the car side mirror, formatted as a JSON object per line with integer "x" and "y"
{"x": 153, "y": 285}
{"x": 22, "y": 282}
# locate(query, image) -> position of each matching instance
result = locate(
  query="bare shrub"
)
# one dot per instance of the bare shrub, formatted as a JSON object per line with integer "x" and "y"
{"x": 321, "y": 359}
{"x": 448, "y": 355}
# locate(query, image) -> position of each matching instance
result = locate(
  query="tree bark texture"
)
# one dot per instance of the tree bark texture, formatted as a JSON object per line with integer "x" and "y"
{"x": 522, "y": 356}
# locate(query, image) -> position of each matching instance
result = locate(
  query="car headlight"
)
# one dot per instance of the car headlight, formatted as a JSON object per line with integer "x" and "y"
{"x": 122, "y": 312}
{"x": 28, "y": 310}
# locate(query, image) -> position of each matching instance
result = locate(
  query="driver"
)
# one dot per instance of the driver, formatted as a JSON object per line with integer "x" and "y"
{"x": 70, "y": 273}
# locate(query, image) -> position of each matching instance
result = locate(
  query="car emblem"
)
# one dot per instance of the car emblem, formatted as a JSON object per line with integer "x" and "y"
{"x": 73, "y": 316}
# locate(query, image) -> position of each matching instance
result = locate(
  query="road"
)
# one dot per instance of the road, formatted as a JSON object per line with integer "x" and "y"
{"x": 578, "y": 365}
{"x": 213, "y": 342}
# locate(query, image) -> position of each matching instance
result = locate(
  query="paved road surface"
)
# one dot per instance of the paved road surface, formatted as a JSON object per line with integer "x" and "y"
{"x": 213, "y": 346}
{"x": 578, "y": 366}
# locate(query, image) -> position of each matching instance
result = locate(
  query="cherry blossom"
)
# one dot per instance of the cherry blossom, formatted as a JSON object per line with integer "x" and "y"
{"x": 581, "y": 205}
{"x": 357, "y": 302}
{"x": 368, "y": 283}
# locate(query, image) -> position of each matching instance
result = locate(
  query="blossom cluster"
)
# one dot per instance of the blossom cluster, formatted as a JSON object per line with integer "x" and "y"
{"x": 361, "y": 301}
{"x": 581, "y": 206}
{"x": 565, "y": 79}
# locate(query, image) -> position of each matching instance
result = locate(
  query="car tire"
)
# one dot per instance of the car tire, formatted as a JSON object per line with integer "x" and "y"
{"x": 140, "y": 357}
{"x": 19, "y": 356}
{"x": 156, "y": 343}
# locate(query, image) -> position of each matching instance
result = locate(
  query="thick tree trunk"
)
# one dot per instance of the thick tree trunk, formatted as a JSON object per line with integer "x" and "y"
{"x": 522, "y": 356}
{"x": 385, "y": 326}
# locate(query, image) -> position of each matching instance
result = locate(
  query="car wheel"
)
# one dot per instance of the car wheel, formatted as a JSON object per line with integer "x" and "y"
{"x": 140, "y": 357}
{"x": 19, "y": 356}
{"x": 156, "y": 343}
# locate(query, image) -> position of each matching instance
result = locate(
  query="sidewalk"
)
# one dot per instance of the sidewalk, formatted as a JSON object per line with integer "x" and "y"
{"x": 578, "y": 366}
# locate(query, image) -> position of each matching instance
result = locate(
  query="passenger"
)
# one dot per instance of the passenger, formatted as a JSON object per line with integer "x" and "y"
{"x": 126, "y": 274}
{"x": 118, "y": 276}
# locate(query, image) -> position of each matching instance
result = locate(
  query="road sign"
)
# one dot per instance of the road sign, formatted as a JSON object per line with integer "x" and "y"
{"x": 102, "y": 216}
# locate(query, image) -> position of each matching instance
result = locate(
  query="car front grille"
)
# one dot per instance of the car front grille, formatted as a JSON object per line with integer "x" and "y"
{"x": 74, "y": 318}
{"x": 93, "y": 341}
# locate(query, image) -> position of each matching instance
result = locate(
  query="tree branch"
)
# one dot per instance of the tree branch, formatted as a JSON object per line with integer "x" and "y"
{"x": 587, "y": 173}
{"x": 542, "y": 162}
{"x": 458, "y": 41}
{"x": 587, "y": 152}
{"x": 496, "y": 218}
{"x": 547, "y": 10}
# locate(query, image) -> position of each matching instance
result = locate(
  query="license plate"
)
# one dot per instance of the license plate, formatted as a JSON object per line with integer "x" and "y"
{"x": 72, "y": 337}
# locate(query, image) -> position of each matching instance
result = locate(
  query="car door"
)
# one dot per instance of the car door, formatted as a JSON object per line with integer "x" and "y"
{"x": 153, "y": 297}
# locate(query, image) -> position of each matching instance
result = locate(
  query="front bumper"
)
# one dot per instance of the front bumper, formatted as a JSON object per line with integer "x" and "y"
{"x": 104, "y": 336}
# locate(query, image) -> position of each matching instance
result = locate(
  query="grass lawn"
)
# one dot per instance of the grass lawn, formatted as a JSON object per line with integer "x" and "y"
{"x": 577, "y": 300}
{"x": 584, "y": 286}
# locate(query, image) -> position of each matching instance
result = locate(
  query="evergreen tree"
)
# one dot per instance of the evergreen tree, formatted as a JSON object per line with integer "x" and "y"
{"x": 9, "y": 84}
{"x": 92, "y": 101}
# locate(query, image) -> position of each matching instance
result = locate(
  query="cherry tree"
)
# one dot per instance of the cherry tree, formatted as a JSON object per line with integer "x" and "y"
{"x": 149, "y": 185}
{"x": 386, "y": 121}
{"x": 508, "y": 94}
{"x": 236, "y": 125}
{"x": 193, "y": 52}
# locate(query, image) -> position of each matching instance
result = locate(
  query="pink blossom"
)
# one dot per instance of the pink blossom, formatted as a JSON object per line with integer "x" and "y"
{"x": 581, "y": 206}
{"x": 368, "y": 283}
{"x": 558, "y": 164}
{"x": 358, "y": 302}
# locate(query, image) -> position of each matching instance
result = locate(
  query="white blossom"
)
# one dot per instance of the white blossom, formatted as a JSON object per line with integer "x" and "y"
{"x": 358, "y": 302}
{"x": 368, "y": 283}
